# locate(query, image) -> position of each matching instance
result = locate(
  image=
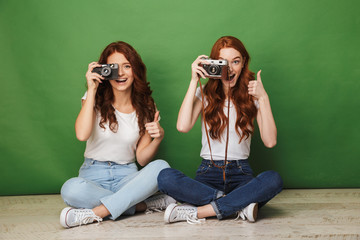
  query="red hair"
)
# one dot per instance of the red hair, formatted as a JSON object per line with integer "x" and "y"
{"x": 243, "y": 102}
{"x": 141, "y": 93}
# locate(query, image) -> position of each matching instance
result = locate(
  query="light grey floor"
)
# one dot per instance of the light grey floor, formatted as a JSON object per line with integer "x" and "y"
{"x": 293, "y": 214}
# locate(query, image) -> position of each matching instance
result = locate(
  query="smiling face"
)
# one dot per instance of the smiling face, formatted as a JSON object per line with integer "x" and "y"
{"x": 236, "y": 63}
{"x": 126, "y": 76}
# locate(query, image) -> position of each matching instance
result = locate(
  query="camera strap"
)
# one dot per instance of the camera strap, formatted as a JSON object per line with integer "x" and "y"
{"x": 227, "y": 129}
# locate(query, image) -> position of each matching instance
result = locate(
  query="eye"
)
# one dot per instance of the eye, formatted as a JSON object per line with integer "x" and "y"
{"x": 127, "y": 66}
{"x": 236, "y": 62}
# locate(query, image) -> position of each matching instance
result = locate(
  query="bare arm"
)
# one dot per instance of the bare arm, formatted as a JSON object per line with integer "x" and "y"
{"x": 149, "y": 143}
{"x": 191, "y": 105}
{"x": 86, "y": 118}
{"x": 265, "y": 118}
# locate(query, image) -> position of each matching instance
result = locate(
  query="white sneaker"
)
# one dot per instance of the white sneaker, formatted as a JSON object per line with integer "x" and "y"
{"x": 185, "y": 212}
{"x": 158, "y": 202}
{"x": 72, "y": 217}
{"x": 249, "y": 213}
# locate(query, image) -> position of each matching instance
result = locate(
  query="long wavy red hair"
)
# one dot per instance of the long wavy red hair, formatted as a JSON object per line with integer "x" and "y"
{"x": 141, "y": 93}
{"x": 243, "y": 102}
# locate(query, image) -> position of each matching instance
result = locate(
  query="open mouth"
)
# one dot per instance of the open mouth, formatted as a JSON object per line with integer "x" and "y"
{"x": 231, "y": 77}
{"x": 120, "y": 80}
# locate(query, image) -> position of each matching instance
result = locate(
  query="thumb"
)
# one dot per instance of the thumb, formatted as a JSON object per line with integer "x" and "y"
{"x": 258, "y": 76}
{"x": 156, "y": 118}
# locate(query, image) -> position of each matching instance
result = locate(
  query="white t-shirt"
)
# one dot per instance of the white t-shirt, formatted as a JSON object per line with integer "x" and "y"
{"x": 236, "y": 150}
{"x": 118, "y": 147}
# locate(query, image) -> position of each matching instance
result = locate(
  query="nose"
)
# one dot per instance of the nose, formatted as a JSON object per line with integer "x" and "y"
{"x": 121, "y": 72}
{"x": 230, "y": 68}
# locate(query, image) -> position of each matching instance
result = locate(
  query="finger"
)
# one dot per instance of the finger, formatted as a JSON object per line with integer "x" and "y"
{"x": 152, "y": 128}
{"x": 200, "y": 74}
{"x": 155, "y": 135}
{"x": 154, "y": 131}
{"x": 96, "y": 75}
{"x": 258, "y": 76}
{"x": 149, "y": 125}
{"x": 156, "y": 118}
{"x": 202, "y": 56}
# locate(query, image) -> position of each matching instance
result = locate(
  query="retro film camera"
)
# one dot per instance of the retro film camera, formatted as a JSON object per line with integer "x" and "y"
{"x": 217, "y": 69}
{"x": 108, "y": 71}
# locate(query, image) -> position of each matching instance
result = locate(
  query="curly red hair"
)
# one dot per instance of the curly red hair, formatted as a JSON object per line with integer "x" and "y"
{"x": 244, "y": 103}
{"x": 141, "y": 93}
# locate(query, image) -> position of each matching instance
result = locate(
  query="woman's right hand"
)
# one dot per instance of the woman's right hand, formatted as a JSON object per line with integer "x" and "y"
{"x": 93, "y": 79}
{"x": 198, "y": 71}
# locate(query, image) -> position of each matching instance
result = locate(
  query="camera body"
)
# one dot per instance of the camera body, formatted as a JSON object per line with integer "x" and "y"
{"x": 217, "y": 69}
{"x": 108, "y": 71}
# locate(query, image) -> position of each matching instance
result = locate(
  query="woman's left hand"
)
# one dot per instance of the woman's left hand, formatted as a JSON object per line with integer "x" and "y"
{"x": 256, "y": 88}
{"x": 154, "y": 129}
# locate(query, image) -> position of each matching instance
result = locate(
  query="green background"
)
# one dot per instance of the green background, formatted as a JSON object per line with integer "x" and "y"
{"x": 308, "y": 52}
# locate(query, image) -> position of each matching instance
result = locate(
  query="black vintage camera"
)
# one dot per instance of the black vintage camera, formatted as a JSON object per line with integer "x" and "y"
{"x": 217, "y": 69}
{"x": 108, "y": 71}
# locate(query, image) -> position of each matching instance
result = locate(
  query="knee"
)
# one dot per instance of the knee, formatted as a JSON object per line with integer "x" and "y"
{"x": 70, "y": 188}
{"x": 159, "y": 164}
{"x": 165, "y": 177}
{"x": 274, "y": 179}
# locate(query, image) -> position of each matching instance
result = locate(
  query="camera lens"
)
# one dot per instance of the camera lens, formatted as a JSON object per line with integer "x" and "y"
{"x": 105, "y": 71}
{"x": 214, "y": 69}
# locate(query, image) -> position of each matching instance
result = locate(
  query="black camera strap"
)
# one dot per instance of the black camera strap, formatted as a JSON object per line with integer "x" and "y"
{"x": 227, "y": 128}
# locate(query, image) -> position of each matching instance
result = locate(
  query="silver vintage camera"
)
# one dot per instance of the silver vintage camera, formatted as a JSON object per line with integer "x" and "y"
{"x": 217, "y": 69}
{"x": 108, "y": 71}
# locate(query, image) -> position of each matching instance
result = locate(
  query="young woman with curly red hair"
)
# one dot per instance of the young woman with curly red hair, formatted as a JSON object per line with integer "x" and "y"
{"x": 119, "y": 121}
{"x": 224, "y": 184}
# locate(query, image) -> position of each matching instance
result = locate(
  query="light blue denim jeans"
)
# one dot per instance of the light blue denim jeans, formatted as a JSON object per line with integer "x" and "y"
{"x": 118, "y": 187}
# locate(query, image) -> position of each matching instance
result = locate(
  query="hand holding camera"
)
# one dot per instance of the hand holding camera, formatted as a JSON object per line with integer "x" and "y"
{"x": 108, "y": 71}
{"x": 98, "y": 72}
{"x": 205, "y": 67}
{"x": 93, "y": 79}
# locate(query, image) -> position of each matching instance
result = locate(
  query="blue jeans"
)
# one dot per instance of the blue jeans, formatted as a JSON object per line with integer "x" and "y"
{"x": 239, "y": 189}
{"x": 118, "y": 187}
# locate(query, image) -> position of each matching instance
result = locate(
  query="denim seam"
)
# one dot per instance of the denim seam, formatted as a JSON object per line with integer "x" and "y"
{"x": 216, "y": 209}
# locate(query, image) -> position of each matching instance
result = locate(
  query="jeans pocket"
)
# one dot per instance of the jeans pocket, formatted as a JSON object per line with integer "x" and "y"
{"x": 246, "y": 170}
{"x": 202, "y": 169}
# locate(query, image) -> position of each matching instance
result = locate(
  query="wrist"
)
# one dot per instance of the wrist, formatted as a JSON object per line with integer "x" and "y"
{"x": 263, "y": 98}
{"x": 194, "y": 81}
{"x": 91, "y": 92}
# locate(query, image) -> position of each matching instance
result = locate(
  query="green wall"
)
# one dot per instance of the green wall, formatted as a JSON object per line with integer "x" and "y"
{"x": 308, "y": 52}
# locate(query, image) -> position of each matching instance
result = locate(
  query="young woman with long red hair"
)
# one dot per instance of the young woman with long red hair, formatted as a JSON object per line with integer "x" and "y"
{"x": 224, "y": 184}
{"x": 120, "y": 123}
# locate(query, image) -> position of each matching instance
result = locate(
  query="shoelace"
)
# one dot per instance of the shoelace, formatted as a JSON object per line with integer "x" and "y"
{"x": 158, "y": 204}
{"x": 83, "y": 217}
{"x": 152, "y": 210}
{"x": 240, "y": 215}
{"x": 190, "y": 216}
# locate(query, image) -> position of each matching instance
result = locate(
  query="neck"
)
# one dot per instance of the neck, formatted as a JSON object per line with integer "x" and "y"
{"x": 122, "y": 99}
{"x": 226, "y": 91}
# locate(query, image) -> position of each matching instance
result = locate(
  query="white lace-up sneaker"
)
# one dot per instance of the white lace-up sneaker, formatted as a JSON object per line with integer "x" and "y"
{"x": 72, "y": 217}
{"x": 249, "y": 213}
{"x": 158, "y": 202}
{"x": 185, "y": 212}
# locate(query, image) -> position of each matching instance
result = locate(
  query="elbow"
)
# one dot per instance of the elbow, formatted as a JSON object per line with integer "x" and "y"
{"x": 182, "y": 128}
{"x": 270, "y": 144}
{"x": 81, "y": 137}
{"x": 141, "y": 164}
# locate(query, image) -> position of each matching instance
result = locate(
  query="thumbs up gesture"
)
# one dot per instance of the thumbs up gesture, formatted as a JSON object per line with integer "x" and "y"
{"x": 154, "y": 129}
{"x": 256, "y": 88}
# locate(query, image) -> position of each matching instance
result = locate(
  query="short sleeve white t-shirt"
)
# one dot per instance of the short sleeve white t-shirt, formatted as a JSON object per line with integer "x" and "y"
{"x": 118, "y": 147}
{"x": 236, "y": 150}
